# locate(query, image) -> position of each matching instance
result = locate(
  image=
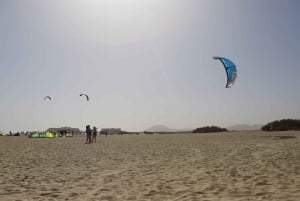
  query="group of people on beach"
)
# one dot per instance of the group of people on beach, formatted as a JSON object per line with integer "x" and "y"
{"x": 90, "y": 134}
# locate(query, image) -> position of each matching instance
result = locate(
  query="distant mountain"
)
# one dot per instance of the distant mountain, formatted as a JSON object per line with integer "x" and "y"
{"x": 237, "y": 127}
{"x": 240, "y": 127}
{"x": 163, "y": 128}
{"x": 159, "y": 128}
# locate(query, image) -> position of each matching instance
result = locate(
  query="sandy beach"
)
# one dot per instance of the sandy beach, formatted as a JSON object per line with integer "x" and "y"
{"x": 218, "y": 166}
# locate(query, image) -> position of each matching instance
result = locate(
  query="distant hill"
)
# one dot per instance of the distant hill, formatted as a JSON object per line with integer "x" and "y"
{"x": 209, "y": 129}
{"x": 163, "y": 128}
{"x": 283, "y": 125}
{"x": 237, "y": 127}
{"x": 243, "y": 127}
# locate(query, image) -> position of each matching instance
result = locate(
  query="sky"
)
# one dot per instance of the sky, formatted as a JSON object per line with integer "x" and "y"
{"x": 147, "y": 62}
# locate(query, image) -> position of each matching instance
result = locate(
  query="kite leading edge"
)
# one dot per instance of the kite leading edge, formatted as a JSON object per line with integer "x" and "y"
{"x": 87, "y": 97}
{"x": 47, "y": 97}
{"x": 230, "y": 69}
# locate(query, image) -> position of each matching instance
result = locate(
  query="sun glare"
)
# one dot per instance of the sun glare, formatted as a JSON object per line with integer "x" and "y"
{"x": 117, "y": 21}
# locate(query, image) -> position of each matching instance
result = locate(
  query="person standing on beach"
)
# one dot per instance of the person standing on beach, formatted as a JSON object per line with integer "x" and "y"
{"x": 88, "y": 134}
{"x": 94, "y": 135}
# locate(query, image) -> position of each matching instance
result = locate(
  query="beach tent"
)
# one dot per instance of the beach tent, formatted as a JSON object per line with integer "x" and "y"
{"x": 41, "y": 135}
{"x": 3, "y": 134}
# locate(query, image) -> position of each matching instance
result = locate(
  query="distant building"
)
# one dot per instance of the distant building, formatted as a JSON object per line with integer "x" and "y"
{"x": 110, "y": 131}
{"x": 65, "y": 131}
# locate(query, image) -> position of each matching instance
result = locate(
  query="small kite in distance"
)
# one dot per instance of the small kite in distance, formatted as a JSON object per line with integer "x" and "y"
{"x": 47, "y": 97}
{"x": 87, "y": 97}
{"x": 230, "y": 69}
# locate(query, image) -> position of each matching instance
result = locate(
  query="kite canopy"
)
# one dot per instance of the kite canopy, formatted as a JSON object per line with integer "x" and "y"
{"x": 41, "y": 135}
{"x": 47, "y": 97}
{"x": 230, "y": 69}
{"x": 87, "y": 97}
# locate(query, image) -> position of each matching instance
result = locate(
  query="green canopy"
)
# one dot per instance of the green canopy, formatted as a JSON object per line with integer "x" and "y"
{"x": 42, "y": 135}
{"x": 3, "y": 134}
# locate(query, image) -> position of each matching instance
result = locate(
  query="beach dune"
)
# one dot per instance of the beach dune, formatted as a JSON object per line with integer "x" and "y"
{"x": 233, "y": 166}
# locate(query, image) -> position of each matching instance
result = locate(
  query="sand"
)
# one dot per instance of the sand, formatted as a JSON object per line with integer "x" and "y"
{"x": 220, "y": 166}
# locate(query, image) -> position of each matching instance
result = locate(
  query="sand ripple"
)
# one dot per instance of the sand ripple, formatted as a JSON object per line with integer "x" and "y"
{"x": 233, "y": 166}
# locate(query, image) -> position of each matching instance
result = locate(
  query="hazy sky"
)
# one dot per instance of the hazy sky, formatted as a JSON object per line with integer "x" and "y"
{"x": 147, "y": 62}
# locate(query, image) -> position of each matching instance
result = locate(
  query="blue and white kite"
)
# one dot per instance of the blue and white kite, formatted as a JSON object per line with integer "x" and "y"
{"x": 230, "y": 69}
